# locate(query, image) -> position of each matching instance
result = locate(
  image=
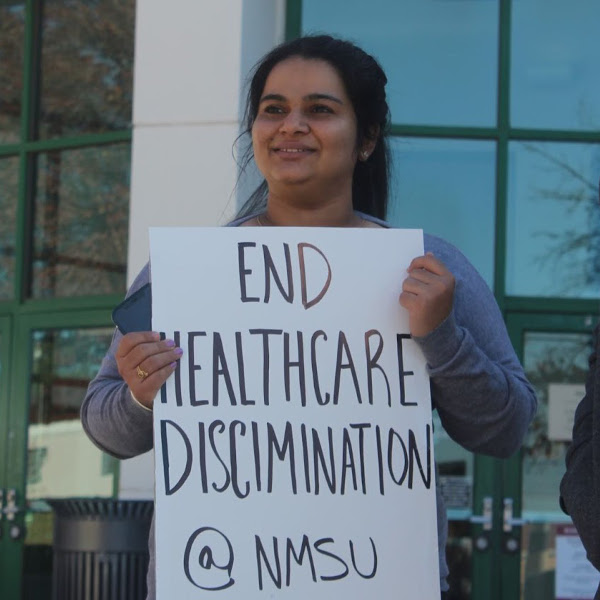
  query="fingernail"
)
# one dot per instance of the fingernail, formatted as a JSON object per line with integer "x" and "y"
{"x": 178, "y": 351}
{"x": 173, "y": 365}
{"x": 170, "y": 343}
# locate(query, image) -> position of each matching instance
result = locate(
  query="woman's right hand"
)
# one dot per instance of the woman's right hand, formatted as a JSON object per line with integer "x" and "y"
{"x": 145, "y": 363}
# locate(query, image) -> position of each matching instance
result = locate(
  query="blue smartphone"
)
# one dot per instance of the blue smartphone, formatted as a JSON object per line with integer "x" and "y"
{"x": 135, "y": 312}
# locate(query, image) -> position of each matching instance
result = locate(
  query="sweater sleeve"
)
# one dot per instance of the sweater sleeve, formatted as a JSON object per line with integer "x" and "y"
{"x": 110, "y": 416}
{"x": 579, "y": 487}
{"x": 479, "y": 389}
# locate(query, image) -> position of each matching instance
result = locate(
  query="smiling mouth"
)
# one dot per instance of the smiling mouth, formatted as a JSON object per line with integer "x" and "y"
{"x": 293, "y": 150}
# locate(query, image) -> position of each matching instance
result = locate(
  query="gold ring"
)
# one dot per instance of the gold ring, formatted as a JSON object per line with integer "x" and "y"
{"x": 141, "y": 373}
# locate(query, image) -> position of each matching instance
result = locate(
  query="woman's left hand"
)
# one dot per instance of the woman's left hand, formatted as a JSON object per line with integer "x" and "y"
{"x": 427, "y": 294}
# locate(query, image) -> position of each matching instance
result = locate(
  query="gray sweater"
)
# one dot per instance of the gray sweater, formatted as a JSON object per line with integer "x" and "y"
{"x": 478, "y": 387}
{"x": 580, "y": 486}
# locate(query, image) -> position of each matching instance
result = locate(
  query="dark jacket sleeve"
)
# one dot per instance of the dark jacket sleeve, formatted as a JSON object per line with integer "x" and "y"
{"x": 580, "y": 491}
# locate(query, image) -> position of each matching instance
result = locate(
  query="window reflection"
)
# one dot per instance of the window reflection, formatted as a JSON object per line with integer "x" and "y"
{"x": 12, "y": 20}
{"x": 554, "y": 71}
{"x": 440, "y": 57}
{"x": 87, "y": 64}
{"x": 63, "y": 362}
{"x": 556, "y": 364}
{"x": 447, "y": 188}
{"x": 81, "y": 216}
{"x": 9, "y": 172}
{"x": 553, "y": 232}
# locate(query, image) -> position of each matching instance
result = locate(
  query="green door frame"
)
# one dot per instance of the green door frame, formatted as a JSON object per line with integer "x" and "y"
{"x": 13, "y": 436}
{"x": 518, "y": 324}
{"x": 5, "y": 342}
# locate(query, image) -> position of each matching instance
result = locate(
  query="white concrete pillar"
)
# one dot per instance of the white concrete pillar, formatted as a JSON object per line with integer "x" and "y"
{"x": 192, "y": 58}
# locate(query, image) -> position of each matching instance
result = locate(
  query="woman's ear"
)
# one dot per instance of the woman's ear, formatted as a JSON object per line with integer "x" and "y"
{"x": 369, "y": 143}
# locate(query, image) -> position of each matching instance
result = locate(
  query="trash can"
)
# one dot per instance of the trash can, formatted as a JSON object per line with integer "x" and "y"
{"x": 100, "y": 548}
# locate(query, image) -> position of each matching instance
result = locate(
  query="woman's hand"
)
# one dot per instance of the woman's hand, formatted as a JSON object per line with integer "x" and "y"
{"x": 145, "y": 362}
{"x": 427, "y": 294}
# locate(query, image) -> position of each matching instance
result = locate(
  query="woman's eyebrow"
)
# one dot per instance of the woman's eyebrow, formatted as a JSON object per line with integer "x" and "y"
{"x": 276, "y": 97}
{"x": 310, "y": 97}
{"x": 313, "y": 97}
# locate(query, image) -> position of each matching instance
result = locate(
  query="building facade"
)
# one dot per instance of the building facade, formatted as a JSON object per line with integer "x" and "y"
{"x": 116, "y": 116}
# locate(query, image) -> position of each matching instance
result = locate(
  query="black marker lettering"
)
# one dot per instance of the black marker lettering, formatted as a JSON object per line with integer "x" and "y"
{"x": 335, "y": 557}
{"x": 299, "y": 364}
{"x": 260, "y": 552}
{"x": 372, "y": 364}
{"x": 211, "y": 543}
{"x": 243, "y": 272}
{"x": 169, "y": 490}
{"x": 233, "y": 457}
{"x": 220, "y": 369}
{"x": 344, "y": 349}
{"x": 299, "y": 558}
{"x": 281, "y": 451}
{"x": 193, "y": 367}
{"x": 303, "y": 279}
{"x": 315, "y": 369}
{"x": 271, "y": 270}
{"x": 372, "y": 573}
{"x": 401, "y": 372}
{"x": 211, "y": 437}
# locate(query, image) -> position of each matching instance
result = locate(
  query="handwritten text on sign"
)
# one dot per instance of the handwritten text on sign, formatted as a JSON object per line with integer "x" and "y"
{"x": 293, "y": 443}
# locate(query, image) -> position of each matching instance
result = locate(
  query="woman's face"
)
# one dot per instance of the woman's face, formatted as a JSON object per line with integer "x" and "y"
{"x": 305, "y": 129}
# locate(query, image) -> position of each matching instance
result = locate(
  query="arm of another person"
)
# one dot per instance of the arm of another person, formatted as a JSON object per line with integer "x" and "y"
{"x": 579, "y": 487}
{"x": 484, "y": 400}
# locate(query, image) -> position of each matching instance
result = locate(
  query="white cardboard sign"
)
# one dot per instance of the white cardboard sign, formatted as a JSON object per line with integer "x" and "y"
{"x": 293, "y": 444}
{"x": 575, "y": 577}
{"x": 563, "y": 399}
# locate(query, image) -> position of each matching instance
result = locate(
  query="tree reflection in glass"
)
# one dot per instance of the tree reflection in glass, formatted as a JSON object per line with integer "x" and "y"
{"x": 81, "y": 222}
{"x": 12, "y": 23}
{"x": 9, "y": 170}
{"x": 87, "y": 65}
{"x": 553, "y": 244}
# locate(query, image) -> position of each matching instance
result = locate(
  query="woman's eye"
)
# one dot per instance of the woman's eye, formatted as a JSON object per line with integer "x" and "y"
{"x": 321, "y": 108}
{"x": 273, "y": 109}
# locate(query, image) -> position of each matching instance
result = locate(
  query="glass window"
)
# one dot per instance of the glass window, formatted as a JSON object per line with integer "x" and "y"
{"x": 553, "y": 231}
{"x": 63, "y": 362}
{"x": 12, "y": 19}
{"x": 554, "y": 67}
{"x": 440, "y": 57}
{"x": 87, "y": 63}
{"x": 81, "y": 222}
{"x": 9, "y": 173}
{"x": 447, "y": 188}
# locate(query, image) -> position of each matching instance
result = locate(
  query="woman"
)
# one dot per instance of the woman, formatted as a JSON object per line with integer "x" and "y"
{"x": 317, "y": 114}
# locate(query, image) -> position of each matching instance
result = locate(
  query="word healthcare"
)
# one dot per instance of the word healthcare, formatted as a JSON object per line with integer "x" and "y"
{"x": 234, "y": 378}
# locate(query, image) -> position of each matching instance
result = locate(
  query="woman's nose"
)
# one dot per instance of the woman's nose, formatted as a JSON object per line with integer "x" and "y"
{"x": 294, "y": 122}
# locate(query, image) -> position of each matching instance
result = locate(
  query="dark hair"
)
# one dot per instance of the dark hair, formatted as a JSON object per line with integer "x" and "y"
{"x": 364, "y": 81}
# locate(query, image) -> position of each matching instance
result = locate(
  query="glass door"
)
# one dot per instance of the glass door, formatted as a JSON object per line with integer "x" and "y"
{"x": 468, "y": 484}
{"x": 48, "y": 455}
{"x": 554, "y": 350}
